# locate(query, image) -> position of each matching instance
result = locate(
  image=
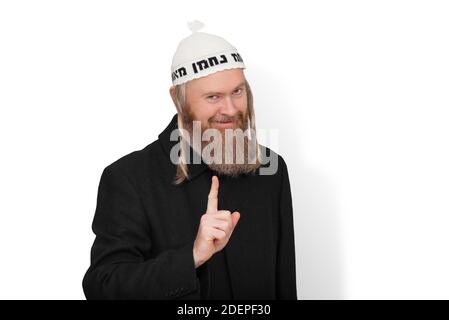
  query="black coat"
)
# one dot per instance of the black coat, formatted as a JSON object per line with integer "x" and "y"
{"x": 145, "y": 228}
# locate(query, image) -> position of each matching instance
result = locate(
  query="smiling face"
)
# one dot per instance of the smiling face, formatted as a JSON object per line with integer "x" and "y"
{"x": 221, "y": 101}
{"x": 218, "y": 100}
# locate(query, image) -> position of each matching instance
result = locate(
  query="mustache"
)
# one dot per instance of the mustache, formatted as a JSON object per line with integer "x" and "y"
{"x": 237, "y": 118}
{"x": 223, "y": 119}
{"x": 240, "y": 118}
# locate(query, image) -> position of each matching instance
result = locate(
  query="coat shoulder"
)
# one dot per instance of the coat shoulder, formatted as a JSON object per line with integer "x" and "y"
{"x": 135, "y": 161}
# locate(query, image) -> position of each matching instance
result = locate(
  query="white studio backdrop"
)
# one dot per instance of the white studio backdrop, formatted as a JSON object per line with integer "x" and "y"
{"x": 357, "y": 89}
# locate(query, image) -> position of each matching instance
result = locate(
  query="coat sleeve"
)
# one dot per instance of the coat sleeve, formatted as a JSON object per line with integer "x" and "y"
{"x": 120, "y": 264}
{"x": 286, "y": 270}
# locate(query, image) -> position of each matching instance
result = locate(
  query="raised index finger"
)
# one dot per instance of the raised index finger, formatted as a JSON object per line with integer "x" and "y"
{"x": 212, "y": 199}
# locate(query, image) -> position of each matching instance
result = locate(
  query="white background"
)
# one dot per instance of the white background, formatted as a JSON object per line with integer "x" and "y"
{"x": 358, "y": 91}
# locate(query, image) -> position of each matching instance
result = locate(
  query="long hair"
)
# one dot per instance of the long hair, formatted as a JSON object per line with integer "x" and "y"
{"x": 180, "y": 102}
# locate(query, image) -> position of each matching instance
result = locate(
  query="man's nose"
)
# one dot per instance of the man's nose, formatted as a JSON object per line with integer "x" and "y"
{"x": 228, "y": 107}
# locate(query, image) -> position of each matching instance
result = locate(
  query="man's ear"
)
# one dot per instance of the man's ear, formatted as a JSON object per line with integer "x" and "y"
{"x": 172, "y": 93}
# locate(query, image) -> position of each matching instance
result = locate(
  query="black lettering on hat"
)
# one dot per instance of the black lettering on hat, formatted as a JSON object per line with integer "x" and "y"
{"x": 204, "y": 64}
{"x": 178, "y": 73}
{"x": 209, "y": 62}
{"x": 237, "y": 57}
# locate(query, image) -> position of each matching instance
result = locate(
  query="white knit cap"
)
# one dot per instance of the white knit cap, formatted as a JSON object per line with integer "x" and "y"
{"x": 201, "y": 54}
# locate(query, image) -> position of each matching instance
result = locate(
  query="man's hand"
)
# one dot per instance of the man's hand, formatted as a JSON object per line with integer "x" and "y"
{"x": 216, "y": 227}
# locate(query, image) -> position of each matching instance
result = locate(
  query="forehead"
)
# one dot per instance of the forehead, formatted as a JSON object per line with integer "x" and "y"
{"x": 218, "y": 82}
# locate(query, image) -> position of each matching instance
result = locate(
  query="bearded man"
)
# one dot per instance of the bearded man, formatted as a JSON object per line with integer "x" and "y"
{"x": 204, "y": 218}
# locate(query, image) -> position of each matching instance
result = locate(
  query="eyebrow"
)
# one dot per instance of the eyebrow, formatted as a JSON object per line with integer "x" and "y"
{"x": 216, "y": 92}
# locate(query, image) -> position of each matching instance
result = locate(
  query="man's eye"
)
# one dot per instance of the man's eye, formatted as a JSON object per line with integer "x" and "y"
{"x": 238, "y": 91}
{"x": 210, "y": 97}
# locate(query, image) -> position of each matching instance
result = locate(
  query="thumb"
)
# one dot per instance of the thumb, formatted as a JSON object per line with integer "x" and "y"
{"x": 235, "y": 218}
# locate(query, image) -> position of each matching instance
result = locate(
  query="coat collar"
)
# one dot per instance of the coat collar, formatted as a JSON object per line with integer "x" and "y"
{"x": 194, "y": 169}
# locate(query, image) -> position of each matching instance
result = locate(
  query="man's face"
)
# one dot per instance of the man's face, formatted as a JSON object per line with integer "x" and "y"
{"x": 218, "y": 100}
